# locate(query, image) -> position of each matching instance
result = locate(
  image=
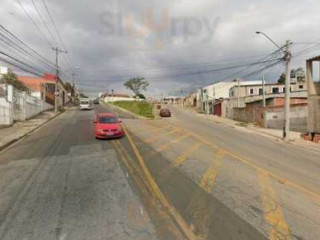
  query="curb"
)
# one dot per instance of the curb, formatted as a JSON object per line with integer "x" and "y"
{"x": 3, "y": 147}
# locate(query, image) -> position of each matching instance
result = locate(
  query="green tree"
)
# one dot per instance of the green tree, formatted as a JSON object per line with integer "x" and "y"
{"x": 69, "y": 87}
{"x": 141, "y": 96}
{"x": 136, "y": 85}
{"x": 282, "y": 78}
{"x": 11, "y": 78}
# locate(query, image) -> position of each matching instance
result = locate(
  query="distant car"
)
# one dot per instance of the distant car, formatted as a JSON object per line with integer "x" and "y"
{"x": 96, "y": 101}
{"x": 165, "y": 112}
{"x": 85, "y": 104}
{"x": 107, "y": 125}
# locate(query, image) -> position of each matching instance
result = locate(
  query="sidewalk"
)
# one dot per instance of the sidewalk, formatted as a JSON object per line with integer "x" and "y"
{"x": 18, "y": 130}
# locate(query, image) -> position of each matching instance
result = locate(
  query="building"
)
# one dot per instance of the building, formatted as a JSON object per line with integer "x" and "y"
{"x": 313, "y": 99}
{"x": 272, "y": 116}
{"x": 244, "y": 90}
{"x": 46, "y": 86}
{"x": 207, "y": 96}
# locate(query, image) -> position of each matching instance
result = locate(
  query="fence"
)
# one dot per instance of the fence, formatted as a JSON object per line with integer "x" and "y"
{"x": 20, "y": 107}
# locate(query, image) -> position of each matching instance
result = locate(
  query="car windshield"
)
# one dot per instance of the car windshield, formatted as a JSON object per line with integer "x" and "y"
{"x": 107, "y": 120}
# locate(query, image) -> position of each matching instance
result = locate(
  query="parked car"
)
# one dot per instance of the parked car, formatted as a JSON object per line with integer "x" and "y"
{"x": 165, "y": 112}
{"x": 107, "y": 125}
{"x": 96, "y": 101}
{"x": 85, "y": 104}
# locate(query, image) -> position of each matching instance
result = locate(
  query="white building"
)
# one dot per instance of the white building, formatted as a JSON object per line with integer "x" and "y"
{"x": 221, "y": 90}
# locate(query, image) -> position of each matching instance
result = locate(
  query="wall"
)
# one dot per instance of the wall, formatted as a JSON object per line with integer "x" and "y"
{"x": 298, "y": 117}
{"x": 20, "y": 107}
{"x": 240, "y": 114}
{"x": 115, "y": 99}
{"x": 5, "y": 112}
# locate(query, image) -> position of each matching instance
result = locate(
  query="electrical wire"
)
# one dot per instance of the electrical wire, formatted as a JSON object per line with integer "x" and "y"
{"x": 41, "y": 58}
{"x": 34, "y": 24}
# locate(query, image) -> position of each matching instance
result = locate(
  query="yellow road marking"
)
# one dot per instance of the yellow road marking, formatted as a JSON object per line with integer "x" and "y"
{"x": 209, "y": 178}
{"x": 272, "y": 211}
{"x": 157, "y": 137}
{"x": 165, "y": 146}
{"x": 156, "y": 190}
{"x": 198, "y": 205}
{"x": 134, "y": 173}
{"x": 286, "y": 182}
{"x": 179, "y": 160}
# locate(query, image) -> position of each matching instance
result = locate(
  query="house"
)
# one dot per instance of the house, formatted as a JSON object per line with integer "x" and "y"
{"x": 249, "y": 90}
{"x": 46, "y": 86}
{"x": 207, "y": 96}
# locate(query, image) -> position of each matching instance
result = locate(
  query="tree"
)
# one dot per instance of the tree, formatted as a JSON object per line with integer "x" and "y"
{"x": 69, "y": 88}
{"x": 11, "y": 78}
{"x": 141, "y": 96}
{"x": 136, "y": 85}
{"x": 282, "y": 78}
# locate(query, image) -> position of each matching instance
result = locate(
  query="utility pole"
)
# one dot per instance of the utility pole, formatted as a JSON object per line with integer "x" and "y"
{"x": 263, "y": 93}
{"x": 238, "y": 95}
{"x": 57, "y": 50}
{"x": 287, "y": 58}
{"x": 286, "y": 128}
{"x": 73, "y": 74}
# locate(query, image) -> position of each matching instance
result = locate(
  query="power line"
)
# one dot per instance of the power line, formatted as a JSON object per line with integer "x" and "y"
{"x": 43, "y": 59}
{"x": 34, "y": 24}
{"x": 56, "y": 29}
{"x": 19, "y": 61}
{"x": 199, "y": 72}
{"x": 42, "y": 19}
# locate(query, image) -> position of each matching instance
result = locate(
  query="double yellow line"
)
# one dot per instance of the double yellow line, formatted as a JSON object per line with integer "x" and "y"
{"x": 158, "y": 193}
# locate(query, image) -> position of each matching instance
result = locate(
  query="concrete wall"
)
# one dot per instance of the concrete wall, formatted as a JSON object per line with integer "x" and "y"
{"x": 240, "y": 114}
{"x": 298, "y": 117}
{"x": 116, "y": 99}
{"x": 5, "y": 112}
{"x": 20, "y": 107}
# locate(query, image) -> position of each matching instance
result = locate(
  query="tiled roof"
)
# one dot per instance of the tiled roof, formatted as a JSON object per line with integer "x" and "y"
{"x": 34, "y": 83}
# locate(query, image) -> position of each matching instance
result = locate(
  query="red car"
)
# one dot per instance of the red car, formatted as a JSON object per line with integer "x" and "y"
{"x": 107, "y": 125}
{"x": 165, "y": 112}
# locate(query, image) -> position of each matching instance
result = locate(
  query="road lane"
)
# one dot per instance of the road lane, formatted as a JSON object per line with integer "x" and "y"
{"x": 272, "y": 204}
{"x": 60, "y": 183}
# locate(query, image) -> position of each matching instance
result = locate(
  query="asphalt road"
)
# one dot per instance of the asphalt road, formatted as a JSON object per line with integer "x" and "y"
{"x": 216, "y": 174}
{"x": 177, "y": 178}
{"x": 60, "y": 183}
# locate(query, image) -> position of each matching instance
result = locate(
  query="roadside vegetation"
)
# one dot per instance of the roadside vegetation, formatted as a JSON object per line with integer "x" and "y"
{"x": 143, "y": 108}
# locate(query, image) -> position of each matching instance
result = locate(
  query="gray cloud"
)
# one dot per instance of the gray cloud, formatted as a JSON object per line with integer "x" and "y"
{"x": 113, "y": 40}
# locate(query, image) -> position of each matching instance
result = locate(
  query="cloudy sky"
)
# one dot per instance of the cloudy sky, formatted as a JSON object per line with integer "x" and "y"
{"x": 176, "y": 45}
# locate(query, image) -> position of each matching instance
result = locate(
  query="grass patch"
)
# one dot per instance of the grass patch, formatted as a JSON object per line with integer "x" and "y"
{"x": 144, "y": 108}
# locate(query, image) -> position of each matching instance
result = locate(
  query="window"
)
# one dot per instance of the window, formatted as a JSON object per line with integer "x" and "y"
{"x": 260, "y": 91}
{"x": 300, "y": 86}
{"x": 107, "y": 120}
{"x": 251, "y": 91}
{"x": 275, "y": 90}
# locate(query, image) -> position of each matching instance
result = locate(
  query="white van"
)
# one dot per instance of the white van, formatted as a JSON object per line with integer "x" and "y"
{"x": 85, "y": 104}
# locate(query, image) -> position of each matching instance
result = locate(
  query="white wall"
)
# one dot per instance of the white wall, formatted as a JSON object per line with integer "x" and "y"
{"x": 115, "y": 99}
{"x": 5, "y": 112}
{"x": 22, "y": 107}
